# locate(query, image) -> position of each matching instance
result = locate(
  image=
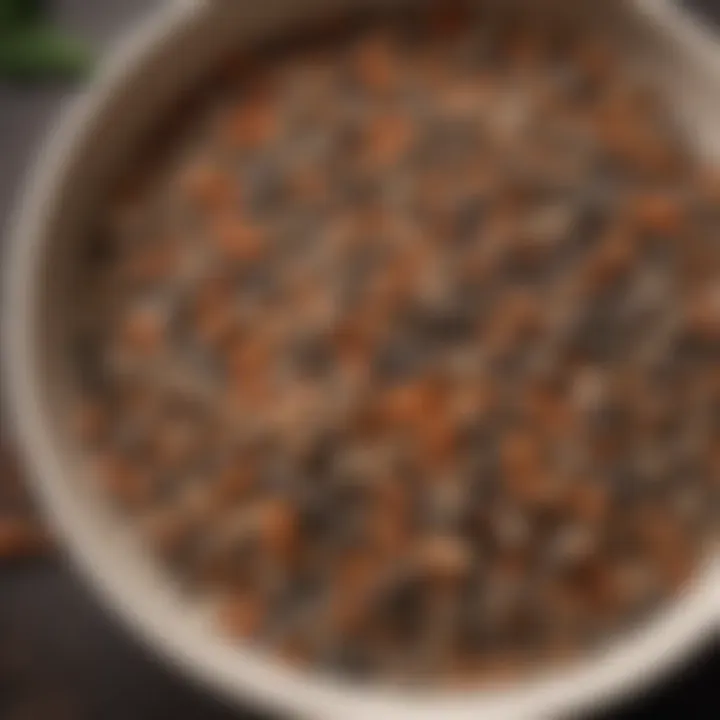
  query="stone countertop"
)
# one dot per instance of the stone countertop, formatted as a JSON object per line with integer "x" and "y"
{"x": 61, "y": 656}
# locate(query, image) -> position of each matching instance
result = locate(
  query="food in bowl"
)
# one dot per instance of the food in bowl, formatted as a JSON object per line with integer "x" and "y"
{"x": 402, "y": 352}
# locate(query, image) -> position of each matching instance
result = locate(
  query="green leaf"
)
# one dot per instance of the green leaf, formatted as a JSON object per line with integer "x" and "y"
{"x": 38, "y": 52}
{"x": 16, "y": 13}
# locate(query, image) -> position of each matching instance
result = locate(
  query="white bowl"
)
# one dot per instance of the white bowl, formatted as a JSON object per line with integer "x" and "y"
{"x": 149, "y": 68}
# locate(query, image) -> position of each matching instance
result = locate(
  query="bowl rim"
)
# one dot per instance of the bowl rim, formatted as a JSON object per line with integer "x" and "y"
{"x": 630, "y": 664}
{"x": 687, "y": 28}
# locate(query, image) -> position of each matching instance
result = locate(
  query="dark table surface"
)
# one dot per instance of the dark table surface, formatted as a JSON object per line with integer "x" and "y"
{"x": 61, "y": 656}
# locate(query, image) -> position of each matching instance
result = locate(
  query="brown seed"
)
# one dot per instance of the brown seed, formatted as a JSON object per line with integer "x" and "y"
{"x": 175, "y": 440}
{"x": 678, "y": 565}
{"x": 410, "y": 403}
{"x": 518, "y": 318}
{"x": 668, "y": 544}
{"x": 464, "y": 673}
{"x": 390, "y": 137}
{"x": 247, "y": 358}
{"x": 660, "y": 213}
{"x": 156, "y": 263}
{"x": 551, "y": 413}
{"x": 444, "y": 557}
{"x": 376, "y": 65}
{"x": 355, "y": 578}
{"x": 527, "y": 48}
{"x": 308, "y": 184}
{"x": 346, "y": 614}
{"x": 563, "y": 603}
{"x": 591, "y": 390}
{"x": 572, "y": 546}
{"x": 500, "y": 670}
{"x": 128, "y": 219}
{"x": 659, "y": 528}
{"x": 127, "y": 485}
{"x": 529, "y": 250}
{"x": 437, "y": 437}
{"x": 13, "y": 494}
{"x": 139, "y": 400}
{"x": 278, "y": 527}
{"x": 483, "y": 260}
{"x": 296, "y": 652}
{"x": 353, "y": 344}
{"x": 248, "y": 393}
{"x": 702, "y": 314}
{"x": 90, "y": 421}
{"x": 235, "y": 482}
{"x": 393, "y": 283}
{"x": 520, "y": 453}
{"x": 167, "y": 531}
{"x": 535, "y": 489}
{"x": 632, "y": 583}
{"x": 510, "y": 526}
{"x": 143, "y": 331}
{"x": 710, "y": 186}
{"x": 594, "y": 583}
{"x": 209, "y": 187}
{"x": 472, "y": 402}
{"x": 612, "y": 260}
{"x": 241, "y": 617}
{"x": 254, "y": 124}
{"x": 713, "y": 463}
{"x": 448, "y": 18}
{"x": 238, "y": 241}
{"x": 589, "y": 502}
{"x": 390, "y": 527}
{"x": 633, "y": 143}
{"x": 595, "y": 59}
{"x": 214, "y": 313}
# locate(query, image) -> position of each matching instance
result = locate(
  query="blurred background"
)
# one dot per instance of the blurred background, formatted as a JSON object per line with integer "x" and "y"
{"x": 61, "y": 656}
